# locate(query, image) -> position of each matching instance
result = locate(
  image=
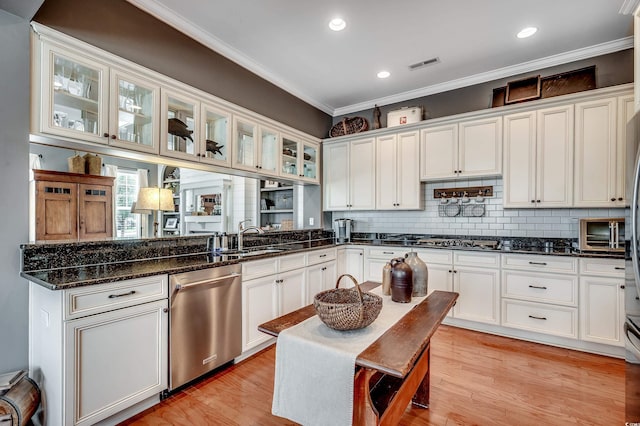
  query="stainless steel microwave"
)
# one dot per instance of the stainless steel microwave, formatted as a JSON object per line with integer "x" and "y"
{"x": 605, "y": 234}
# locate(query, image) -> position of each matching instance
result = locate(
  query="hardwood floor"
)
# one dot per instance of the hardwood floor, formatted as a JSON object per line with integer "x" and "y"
{"x": 476, "y": 379}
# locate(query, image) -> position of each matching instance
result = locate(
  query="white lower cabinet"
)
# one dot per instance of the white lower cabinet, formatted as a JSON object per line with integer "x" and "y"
{"x": 319, "y": 278}
{"x": 273, "y": 288}
{"x": 98, "y": 350}
{"x": 602, "y": 301}
{"x": 350, "y": 260}
{"x": 540, "y": 294}
{"x": 479, "y": 294}
{"x": 540, "y": 317}
{"x": 377, "y": 257}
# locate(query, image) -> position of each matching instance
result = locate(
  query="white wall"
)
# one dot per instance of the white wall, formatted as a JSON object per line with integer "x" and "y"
{"x": 548, "y": 223}
{"x": 14, "y": 160}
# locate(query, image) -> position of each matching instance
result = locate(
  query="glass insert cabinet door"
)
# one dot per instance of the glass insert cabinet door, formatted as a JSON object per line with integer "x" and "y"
{"x": 269, "y": 150}
{"x": 216, "y": 135}
{"x": 309, "y": 161}
{"x": 77, "y": 105}
{"x": 134, "y": 106}
{"x": 179, "y": 124}
{"x": 245, "y": 144}
{"x": 289, "y": 157}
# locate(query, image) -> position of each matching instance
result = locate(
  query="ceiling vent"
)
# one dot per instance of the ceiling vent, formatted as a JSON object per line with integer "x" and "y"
{"x": 423, "y": 64}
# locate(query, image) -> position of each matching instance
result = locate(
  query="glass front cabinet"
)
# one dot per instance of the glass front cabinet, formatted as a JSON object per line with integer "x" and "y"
{"x": 74, "y": 95}
{"x": 215, "y": 136}
{"x": 255, "y": 147}
{"x": 299, "y": 159}
{"x": 134, "y": 106}
{"x": 179, "y": 126}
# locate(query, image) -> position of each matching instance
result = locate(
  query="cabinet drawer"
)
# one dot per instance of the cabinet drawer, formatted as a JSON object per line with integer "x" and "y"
{"x": 542, "y": 263}
{"x": 602, "y": 267}
{"x": 539, "y": 317}
{"x": 92, "y": 300}
{"x": 259, "y": 268}
{"x": 291, "y": 262}
{"x": 319, "y": 256}
{"x": 548, "y": 288}
{"x": 387, "y": 253}
{"x": 432, "y": 256}
{"x": 476, "y": 258}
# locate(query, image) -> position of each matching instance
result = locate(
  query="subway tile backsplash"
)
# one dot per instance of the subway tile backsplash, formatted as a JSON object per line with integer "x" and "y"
{"x": 546, "y": 223}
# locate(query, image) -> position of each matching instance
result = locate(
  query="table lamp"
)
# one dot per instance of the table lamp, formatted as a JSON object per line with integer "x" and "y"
{"x": 155, "y": 199}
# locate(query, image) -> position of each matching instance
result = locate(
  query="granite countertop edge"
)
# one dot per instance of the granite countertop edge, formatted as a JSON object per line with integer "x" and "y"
{"x": 81, "y": 276}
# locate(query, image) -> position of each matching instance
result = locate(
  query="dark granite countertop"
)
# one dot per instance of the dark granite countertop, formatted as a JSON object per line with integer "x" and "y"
{"x": 190, "y": 257}
{"x": 78, "y": 276}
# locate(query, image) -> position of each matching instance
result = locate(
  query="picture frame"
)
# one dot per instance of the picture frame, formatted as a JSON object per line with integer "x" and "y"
{"x": 171, "y": 223}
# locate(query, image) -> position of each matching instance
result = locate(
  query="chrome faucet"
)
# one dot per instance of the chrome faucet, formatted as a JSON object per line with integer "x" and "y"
{"x": 243, "y": 229}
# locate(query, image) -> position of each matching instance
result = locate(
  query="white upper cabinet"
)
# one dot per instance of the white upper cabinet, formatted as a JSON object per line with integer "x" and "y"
{"x": 215, "y": 135}
{"x": 299, "y": 159}
{"x": 134, "y": 111}
{"x": 256, "y": 147}
{"x": 596, "y": 146}
{"x": 180, "y": 129}
{"x": 466, "y": 149}
{"x": 74, "y": 95}
{"x": 84, "y": 95}
{"x": 350, "y": 175}
{"x": 397, "y": 171}
{"x": 538, "y": 158}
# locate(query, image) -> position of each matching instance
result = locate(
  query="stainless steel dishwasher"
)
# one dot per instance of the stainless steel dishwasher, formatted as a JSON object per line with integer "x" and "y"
{"x": 205, "y": 328}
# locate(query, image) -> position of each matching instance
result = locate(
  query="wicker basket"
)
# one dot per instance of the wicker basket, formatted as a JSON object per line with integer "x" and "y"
{"x": 348, "y": 126}
{"x": 347, "y": 309}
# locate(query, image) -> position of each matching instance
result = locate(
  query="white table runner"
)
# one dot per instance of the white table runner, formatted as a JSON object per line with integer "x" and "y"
{"x": 315, "y": 366}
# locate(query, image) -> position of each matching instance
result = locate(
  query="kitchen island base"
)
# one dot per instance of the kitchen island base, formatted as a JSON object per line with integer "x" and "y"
{"x": 393, "y": 370}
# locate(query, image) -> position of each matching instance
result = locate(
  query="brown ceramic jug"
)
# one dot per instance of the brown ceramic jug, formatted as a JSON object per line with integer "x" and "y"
{"x": 401, "y": 281}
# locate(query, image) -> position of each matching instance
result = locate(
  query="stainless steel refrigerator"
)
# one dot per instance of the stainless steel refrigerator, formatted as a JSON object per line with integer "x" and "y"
{"x": 632, "y": 277}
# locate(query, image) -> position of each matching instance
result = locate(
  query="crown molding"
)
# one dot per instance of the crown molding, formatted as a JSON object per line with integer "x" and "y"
{"x": 628, "y": 7}
{"x": 178, "y": 22}
{"x": 188, "y": 28}
{"x": 549, "y": 61}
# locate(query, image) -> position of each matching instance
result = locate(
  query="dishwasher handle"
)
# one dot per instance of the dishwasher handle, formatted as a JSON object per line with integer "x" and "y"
{"x": 207, "y": 281}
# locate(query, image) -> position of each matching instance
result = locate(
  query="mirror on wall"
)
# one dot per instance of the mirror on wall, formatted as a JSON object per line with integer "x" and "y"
{"x": 202, "y": 202}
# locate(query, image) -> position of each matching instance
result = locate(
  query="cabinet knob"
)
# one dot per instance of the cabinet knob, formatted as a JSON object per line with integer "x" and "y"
{"x": 620, "y": 198}
{"x": 613, "y": 198}
{"x": 113, "y": 136}
{"x": 165, "y": 310}
{"x": 622, "y": 286}
{"x": 537, "y": 201}
{"x": 106, "y": 135}
{"x": 533, "y": 201}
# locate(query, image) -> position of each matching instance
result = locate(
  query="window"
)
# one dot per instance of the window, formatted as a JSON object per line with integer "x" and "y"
{"x": 127, "y": 223}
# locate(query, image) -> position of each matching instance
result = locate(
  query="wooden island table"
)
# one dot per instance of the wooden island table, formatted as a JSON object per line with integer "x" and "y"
{"x": 393, "y": 370}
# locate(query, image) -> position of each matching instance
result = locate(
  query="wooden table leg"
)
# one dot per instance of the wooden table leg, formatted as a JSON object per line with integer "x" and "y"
{"x": 421, "y": 397}
{"x": 364, "y": 413}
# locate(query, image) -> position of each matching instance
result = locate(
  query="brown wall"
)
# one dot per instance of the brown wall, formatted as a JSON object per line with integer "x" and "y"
{"x": 124, "y": 30}
{"x": 611, "y": 70}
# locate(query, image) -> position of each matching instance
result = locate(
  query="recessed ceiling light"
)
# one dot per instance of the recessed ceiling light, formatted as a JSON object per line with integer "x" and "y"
{"x": 337, "y": 24}
{"x": 384, "y": 74}
{"x": 527, "y": 32}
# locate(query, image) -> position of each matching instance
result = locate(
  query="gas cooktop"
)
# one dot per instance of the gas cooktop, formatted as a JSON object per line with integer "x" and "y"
{"x": 462, "y": 243}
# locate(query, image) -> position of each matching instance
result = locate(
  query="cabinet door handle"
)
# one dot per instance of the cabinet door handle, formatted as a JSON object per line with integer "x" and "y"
{"x": 323, "y": 255}
{"x": 113, "y": 296}
{"x": 538, "y": 263}
{"x": 541, "y": 287}
{"x": 619, "y": 268}
{"x": 540, "y": 318}
{"x": 387, "y": 252}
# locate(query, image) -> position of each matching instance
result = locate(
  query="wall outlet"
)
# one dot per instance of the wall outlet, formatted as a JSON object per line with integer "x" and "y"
{"x": 310, "y": 221}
